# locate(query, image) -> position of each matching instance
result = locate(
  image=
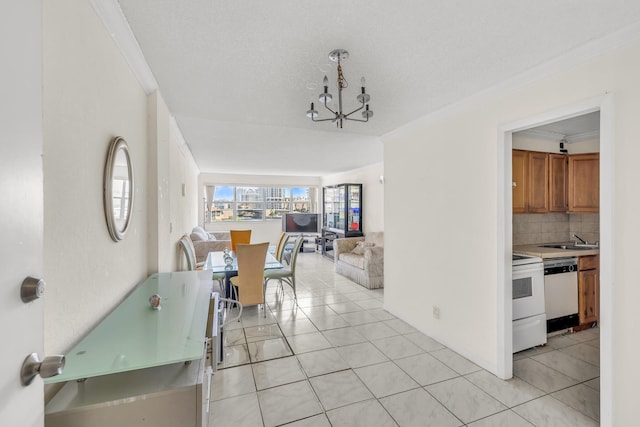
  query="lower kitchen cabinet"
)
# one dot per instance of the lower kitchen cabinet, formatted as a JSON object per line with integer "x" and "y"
{"x": 588, "y": 289}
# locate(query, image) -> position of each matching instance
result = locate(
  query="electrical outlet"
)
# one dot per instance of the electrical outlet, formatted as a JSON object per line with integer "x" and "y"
{"x": 436, "y": 312}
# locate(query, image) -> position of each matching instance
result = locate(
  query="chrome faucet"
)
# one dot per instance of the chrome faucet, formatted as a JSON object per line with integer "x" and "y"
{"x": 584, "y": 242}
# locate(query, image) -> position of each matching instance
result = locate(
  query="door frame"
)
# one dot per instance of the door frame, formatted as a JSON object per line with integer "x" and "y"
{"x": 605, "y": 105}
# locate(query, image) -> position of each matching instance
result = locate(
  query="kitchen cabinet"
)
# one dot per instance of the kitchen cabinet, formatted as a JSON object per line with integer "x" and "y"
{"x": 538, "y": 182}
{"x": 530, "y": 175}
{"x": 584, "y": 183}
{"x": 588, "y": 289}
{"x": 558, "y": 182}
{"x": 519, "y": 176}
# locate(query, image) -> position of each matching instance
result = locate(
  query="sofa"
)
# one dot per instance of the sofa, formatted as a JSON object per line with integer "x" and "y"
{"x": 205, "y": 242}
{"x": 361, "y": 259}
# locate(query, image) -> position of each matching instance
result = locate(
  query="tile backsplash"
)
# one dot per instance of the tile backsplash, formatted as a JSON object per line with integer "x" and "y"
{"x": 531, "y": 229}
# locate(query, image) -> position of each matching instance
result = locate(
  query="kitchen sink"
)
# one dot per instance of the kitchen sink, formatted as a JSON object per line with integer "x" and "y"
{"x": 572, "y": 247}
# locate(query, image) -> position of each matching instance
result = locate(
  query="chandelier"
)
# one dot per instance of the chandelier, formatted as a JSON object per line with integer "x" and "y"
{"x": 325, "y": 97}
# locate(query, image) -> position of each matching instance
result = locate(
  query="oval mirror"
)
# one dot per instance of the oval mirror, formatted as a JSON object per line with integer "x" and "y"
{"x": 118, "y": 189}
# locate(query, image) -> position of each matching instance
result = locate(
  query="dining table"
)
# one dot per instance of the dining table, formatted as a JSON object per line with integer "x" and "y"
{"x": 216, "y": 263}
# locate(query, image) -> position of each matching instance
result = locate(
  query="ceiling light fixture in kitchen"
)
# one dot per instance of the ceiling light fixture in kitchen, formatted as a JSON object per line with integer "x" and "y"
{"x": 325, "y": 97}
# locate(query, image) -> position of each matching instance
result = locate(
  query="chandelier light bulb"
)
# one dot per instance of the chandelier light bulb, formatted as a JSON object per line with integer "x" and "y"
{"x": 363, "y": 82}
{"x": 325, "y": 81}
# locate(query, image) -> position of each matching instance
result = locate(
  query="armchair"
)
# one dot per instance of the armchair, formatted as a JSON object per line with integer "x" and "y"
{"x": 361, "y": 259}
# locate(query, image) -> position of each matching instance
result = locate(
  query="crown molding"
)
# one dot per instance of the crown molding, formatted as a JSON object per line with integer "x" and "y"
{"x": 117, "y": 26}
{"x": 182, "y": 144}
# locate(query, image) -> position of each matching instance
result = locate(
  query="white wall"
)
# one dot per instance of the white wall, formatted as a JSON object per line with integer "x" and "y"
{"x": 441, "y": 249}
{"x": 372, "y": 193}
{"x": 261, "y": 231}
{"x": 90, "y": 96}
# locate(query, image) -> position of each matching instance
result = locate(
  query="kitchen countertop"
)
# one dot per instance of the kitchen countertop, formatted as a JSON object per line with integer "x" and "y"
{"x": 542, "y": 252}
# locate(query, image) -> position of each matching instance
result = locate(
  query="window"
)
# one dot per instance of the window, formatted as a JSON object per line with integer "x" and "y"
{"x": 256, "y": 203}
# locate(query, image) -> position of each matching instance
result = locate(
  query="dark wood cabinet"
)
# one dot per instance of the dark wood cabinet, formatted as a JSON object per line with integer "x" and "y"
{"x": 341, "y": 214}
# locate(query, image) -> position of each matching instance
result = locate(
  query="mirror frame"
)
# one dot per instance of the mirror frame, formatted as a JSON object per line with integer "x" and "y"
{"x": 117, "y": 145}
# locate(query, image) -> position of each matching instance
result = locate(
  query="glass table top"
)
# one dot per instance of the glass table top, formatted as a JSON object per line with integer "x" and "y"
{"x": 215, "y": 263}
{"x": 135, "y": 336}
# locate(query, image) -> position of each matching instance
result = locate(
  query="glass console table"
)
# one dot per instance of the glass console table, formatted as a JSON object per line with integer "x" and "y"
{"x": 140, "y": 364}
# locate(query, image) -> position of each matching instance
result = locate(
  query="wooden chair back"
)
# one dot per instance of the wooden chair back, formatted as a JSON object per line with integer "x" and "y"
{"x": 239, "y": 237}
{"x": 250, "y": 280}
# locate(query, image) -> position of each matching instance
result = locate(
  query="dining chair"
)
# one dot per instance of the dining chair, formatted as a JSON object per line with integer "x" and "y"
{"x": 242, "y": 237}
{"x": 286, "y": 274}
{"x": 250, "y": 278}
{"x": 282, "y": 243}
{"x": 190, "y": 253}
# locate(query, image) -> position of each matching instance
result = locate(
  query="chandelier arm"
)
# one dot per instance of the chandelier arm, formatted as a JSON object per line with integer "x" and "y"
{"x": 355, "y": 111}
{"x": 332, "y": 112}
{"x": 322, "y": 120}
{"x": 357, "y": 120}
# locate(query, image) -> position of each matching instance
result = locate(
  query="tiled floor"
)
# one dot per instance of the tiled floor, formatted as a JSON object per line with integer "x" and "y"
{"x": 339, "y": 359}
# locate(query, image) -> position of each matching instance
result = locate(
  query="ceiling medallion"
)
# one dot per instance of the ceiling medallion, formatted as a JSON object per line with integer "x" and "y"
{"x": 325, "y": 97}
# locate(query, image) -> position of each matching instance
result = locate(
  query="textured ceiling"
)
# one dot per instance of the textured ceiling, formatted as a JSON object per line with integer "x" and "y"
{"x": 238, "y": 76}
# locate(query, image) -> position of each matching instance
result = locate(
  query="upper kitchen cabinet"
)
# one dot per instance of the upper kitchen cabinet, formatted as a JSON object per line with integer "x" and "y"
{"x": 519, "y": 175}
{"x": 558, "y": 183}
{"x": 584, "y": 183}
{"x": 530, "y": 175}
{"x": 538, "y": 182}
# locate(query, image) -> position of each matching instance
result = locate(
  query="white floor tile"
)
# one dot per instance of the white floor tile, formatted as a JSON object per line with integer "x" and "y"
{"x": 541, "y": 376}
{"x": 426, "y": 369}
{"x": 568, "y": 365}
{"x": 385, "y": 379}
{"x": 549, "y": 412}
{"x": 239, "y": 411}
{"x": 397, "y": 347}
{"x": 581, "y": 398}
{"x": 273, "y": 373}
{"x": 268, "y": 349}
{"x": 344, "y": 336}
{"x": 465, "y": 400}
{"x": 502, "y": 419}
{"x": 308, "y": 342}
{"x": 322, "y": 362}
{"x": 232, "y": 382}
{"x": 456, "y": 362}
{"x": 418, "y": 408}
{"x": 510, "y": 392}
{"x": 288, "y": 403}
{"x": 339, "y": 389}
{"x": 362, "y": 354}
{"x": 363, "y": 414}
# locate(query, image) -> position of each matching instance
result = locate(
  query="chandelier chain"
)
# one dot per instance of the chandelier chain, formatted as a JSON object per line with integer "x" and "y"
{"x": 342, "y": 82}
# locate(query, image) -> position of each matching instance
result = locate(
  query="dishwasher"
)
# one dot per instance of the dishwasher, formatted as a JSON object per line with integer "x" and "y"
{"x": 561, "y": 293}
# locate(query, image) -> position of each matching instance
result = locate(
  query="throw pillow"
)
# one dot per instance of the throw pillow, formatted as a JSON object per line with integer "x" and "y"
{"x": 197, "y": 235}
{"x": 360, "y": 246}
{"x": 211, "y": 236}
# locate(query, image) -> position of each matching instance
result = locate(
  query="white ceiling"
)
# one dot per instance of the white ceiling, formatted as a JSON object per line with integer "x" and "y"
{"x": 238, "y": 76}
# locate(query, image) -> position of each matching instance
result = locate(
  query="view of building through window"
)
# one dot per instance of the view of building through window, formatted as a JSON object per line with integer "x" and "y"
{"x": 255, "y": 203}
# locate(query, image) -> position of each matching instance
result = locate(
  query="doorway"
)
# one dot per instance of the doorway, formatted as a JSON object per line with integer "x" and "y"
{"x": 603, "y": 104}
